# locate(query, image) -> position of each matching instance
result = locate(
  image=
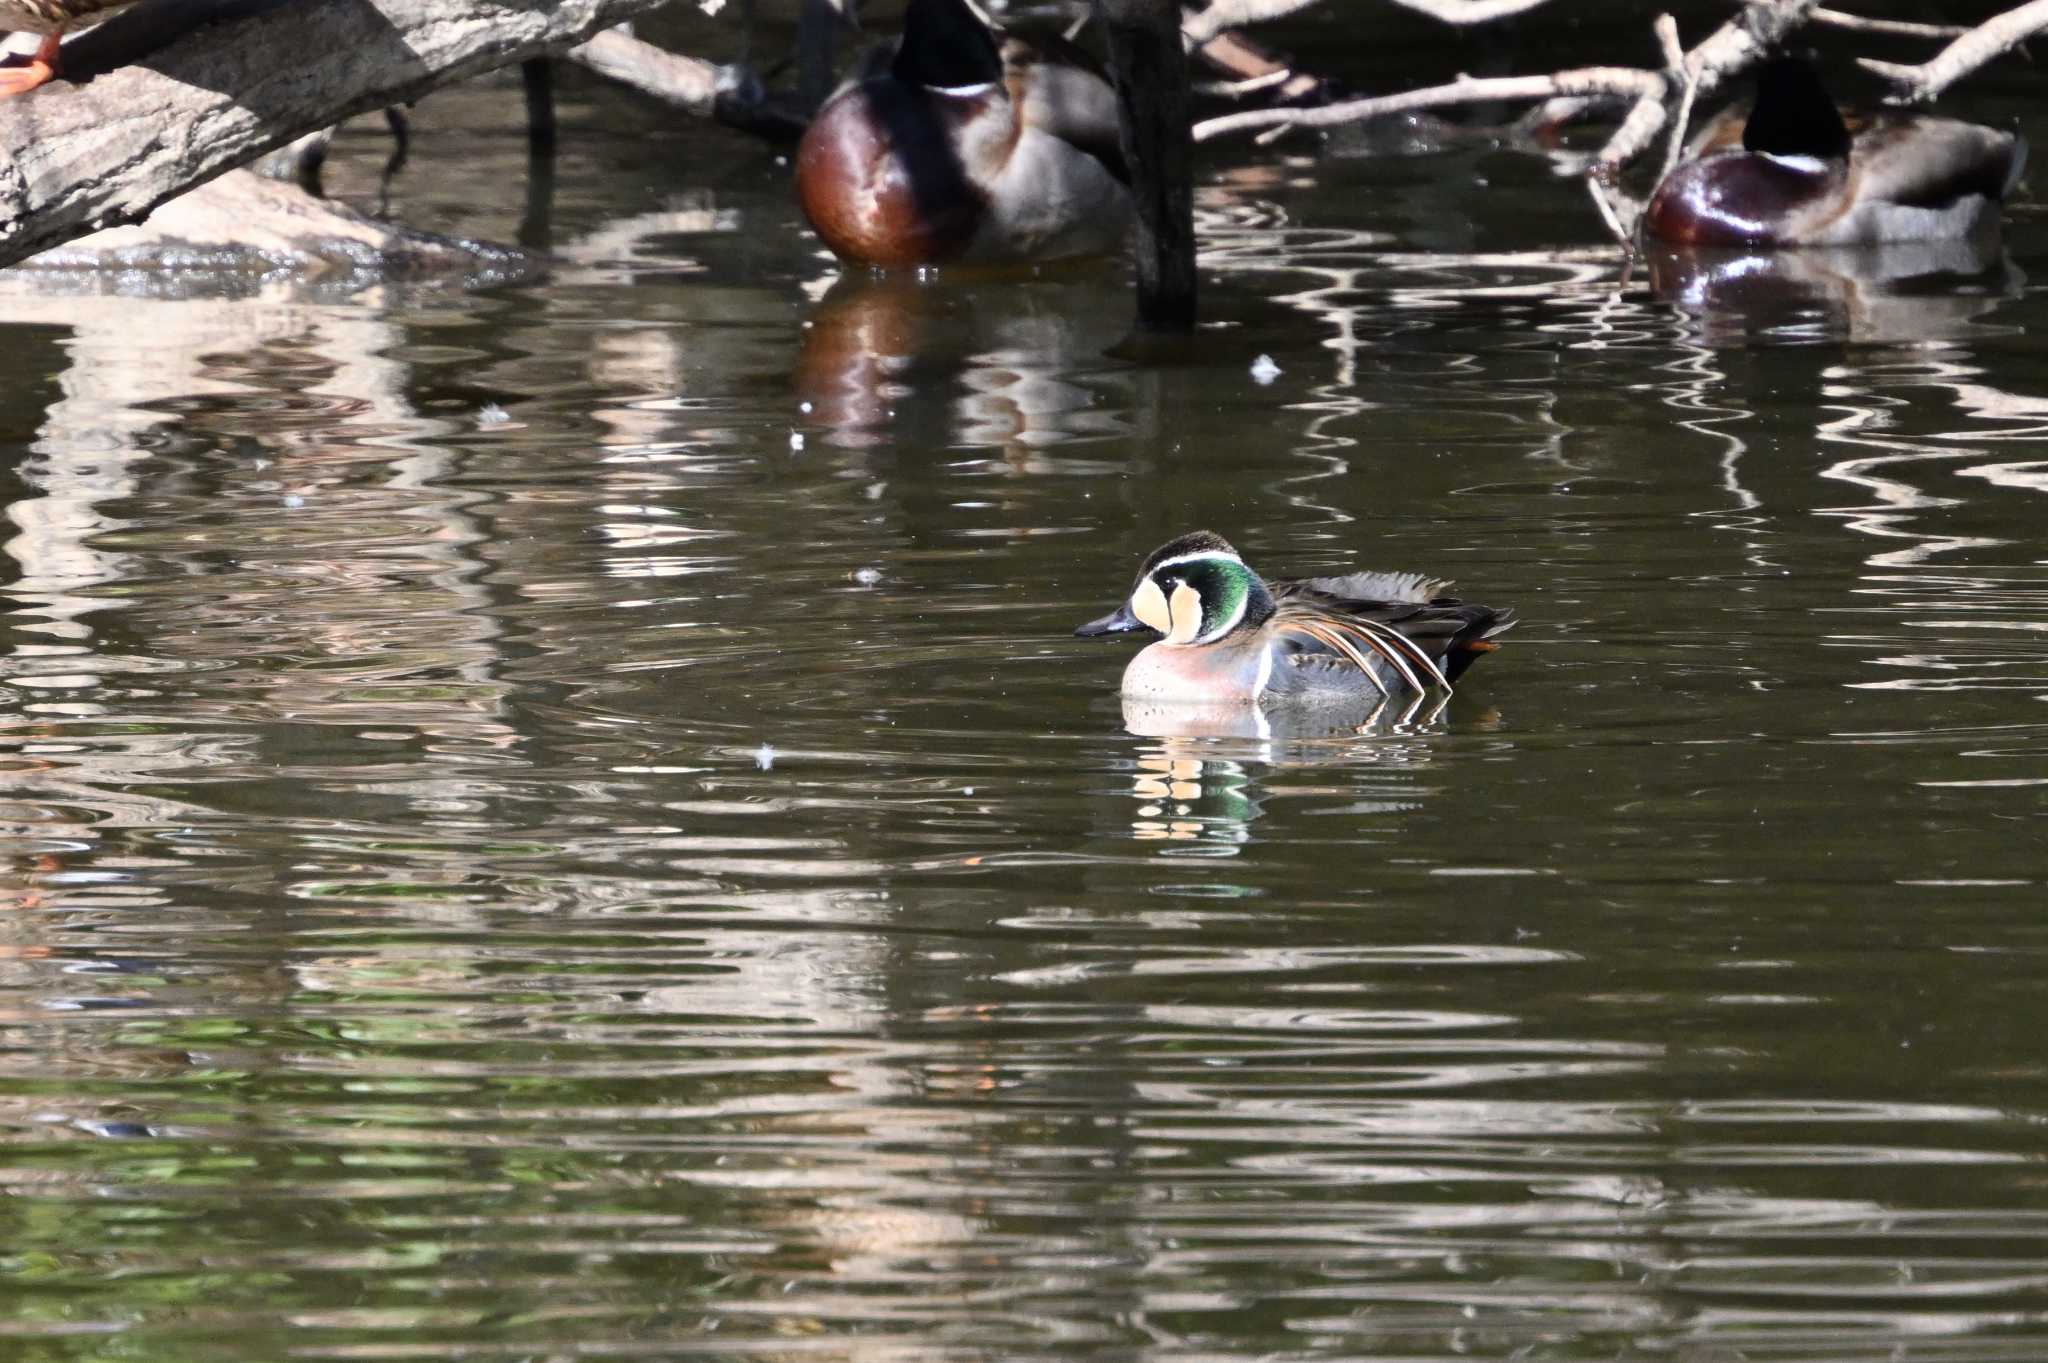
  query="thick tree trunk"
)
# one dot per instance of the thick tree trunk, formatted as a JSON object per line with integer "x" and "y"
{"x": 171, "y": 112}
{"x": 1151, "y": 70}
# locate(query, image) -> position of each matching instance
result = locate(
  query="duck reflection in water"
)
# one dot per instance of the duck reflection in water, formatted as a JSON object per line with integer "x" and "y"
{"x": 1901, "y": 291}
{"x": 1007, "y": 351}
{"x": 1204, "y": 780}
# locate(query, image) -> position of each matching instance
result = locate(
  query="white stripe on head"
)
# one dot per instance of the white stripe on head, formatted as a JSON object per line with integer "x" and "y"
{"x": 962, "y": 91}
{"x": 1197, "y": 557}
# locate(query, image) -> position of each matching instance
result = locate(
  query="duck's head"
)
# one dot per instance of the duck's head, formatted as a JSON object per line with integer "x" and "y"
{"x": 947, "y": 48}
{"x": 1788, "y": 180}
{"x": 1793, "y": 120}
{"x": 1193, "y": 590}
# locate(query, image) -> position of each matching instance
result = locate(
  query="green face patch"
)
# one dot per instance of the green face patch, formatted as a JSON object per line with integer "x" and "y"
{"x": 1224, "y": 586}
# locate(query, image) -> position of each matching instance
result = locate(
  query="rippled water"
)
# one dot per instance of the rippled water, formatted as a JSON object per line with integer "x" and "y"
{"x": 565, "y": 821}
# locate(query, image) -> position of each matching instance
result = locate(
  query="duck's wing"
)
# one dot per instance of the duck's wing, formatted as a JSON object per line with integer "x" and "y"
{"x": 1061, "y": 90}
{"x": 1927, "y": 162}
{"x": 1418, "y": 588}
{"x": 1380, "y": 622}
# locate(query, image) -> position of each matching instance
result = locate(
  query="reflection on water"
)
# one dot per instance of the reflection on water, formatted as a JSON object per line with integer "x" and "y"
{"x": 564, "y": 820}
{"x": 1909, "y": 292}
{"x": 1013, "y": 354}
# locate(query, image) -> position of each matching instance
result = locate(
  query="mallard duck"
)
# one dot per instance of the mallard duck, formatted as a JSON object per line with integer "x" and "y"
{"x": 53, "y": 19}
{"x": 1233, "y": 637}
{"x": 966, "y": 148}
{"x": 1794, "y": 173}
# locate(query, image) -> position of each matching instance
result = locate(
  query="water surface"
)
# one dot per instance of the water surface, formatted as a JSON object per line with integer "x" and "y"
{"x": 566, "y": 821}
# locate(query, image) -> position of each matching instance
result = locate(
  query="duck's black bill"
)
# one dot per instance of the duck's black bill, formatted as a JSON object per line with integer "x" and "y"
{"x": 1118, "y": 621}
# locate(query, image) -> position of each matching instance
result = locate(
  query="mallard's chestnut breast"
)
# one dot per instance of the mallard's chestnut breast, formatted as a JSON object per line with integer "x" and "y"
{"x": 880, "y": 178}
{"x": 1739, "y": 198}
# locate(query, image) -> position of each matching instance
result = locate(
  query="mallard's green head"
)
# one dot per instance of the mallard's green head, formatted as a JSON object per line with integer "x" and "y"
{"x": 1194, "y": 590}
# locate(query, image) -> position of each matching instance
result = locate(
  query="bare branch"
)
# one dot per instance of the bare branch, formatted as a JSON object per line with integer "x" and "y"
{"x": 1728, "y": 51}
{"x": 1674, "y": 61}
{"x": 1622, "y": 232}
{"x": 683, "y": 81}
{"x": 1227, "y": 14}
{"x": 1890, "y": 28}
{"x": 1238, "y": 89}
{"x": 1607, "y": 81}
{"x": 1964, "y": 55}
{"x": 1251, "y": 68}
{"x": 78, "y": 157}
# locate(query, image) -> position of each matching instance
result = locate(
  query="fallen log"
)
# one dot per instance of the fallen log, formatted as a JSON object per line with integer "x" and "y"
{"x": 155, "y": 103}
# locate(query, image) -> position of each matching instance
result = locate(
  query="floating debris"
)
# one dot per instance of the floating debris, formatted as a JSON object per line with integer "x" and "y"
{"x": 796, "y": 440}
{"x": 764, "y": 757}
{"x": 1264, "y": 371}
{"x": 866, "y": 577}
{"x": 491, "y": 414}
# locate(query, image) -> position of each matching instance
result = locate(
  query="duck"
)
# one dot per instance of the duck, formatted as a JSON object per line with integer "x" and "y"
{"x": 53, "y": 19}
{"x": 1794, "y": 172}
{"x": 1233, "y": 637}
{"x": 967, "y": 145}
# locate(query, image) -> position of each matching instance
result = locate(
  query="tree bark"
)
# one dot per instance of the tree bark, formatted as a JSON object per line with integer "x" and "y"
{"x": 177, "y": 106}
{"x": 1151, "y": 70}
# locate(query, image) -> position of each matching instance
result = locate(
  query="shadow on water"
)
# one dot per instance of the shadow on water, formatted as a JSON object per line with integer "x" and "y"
{"x": 566, "y": 819}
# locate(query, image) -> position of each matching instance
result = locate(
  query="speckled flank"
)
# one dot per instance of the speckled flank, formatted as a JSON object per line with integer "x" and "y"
{"x": 56, "y": 16}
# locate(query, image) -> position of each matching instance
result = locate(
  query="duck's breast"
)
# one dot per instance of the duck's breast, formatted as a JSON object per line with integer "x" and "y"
{"x": 1738, "y": 198}
{"x": 1207, "y": 673}
{"x": 880, "y": 176}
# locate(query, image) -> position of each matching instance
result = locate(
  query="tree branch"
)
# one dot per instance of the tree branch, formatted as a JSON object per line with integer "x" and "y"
{"x": 75, "y": 158}
{"x": 730, "y": 95}
{"x": 1964, "y": 55}
{"x": 1610, "y": 81}
{"x": 1725, "y": 53}
{"x": 1891, "y": 28}
{"x": 1199, "y": 28}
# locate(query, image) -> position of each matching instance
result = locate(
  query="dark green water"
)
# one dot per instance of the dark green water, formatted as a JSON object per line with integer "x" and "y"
{"x": 616, "y": 883}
